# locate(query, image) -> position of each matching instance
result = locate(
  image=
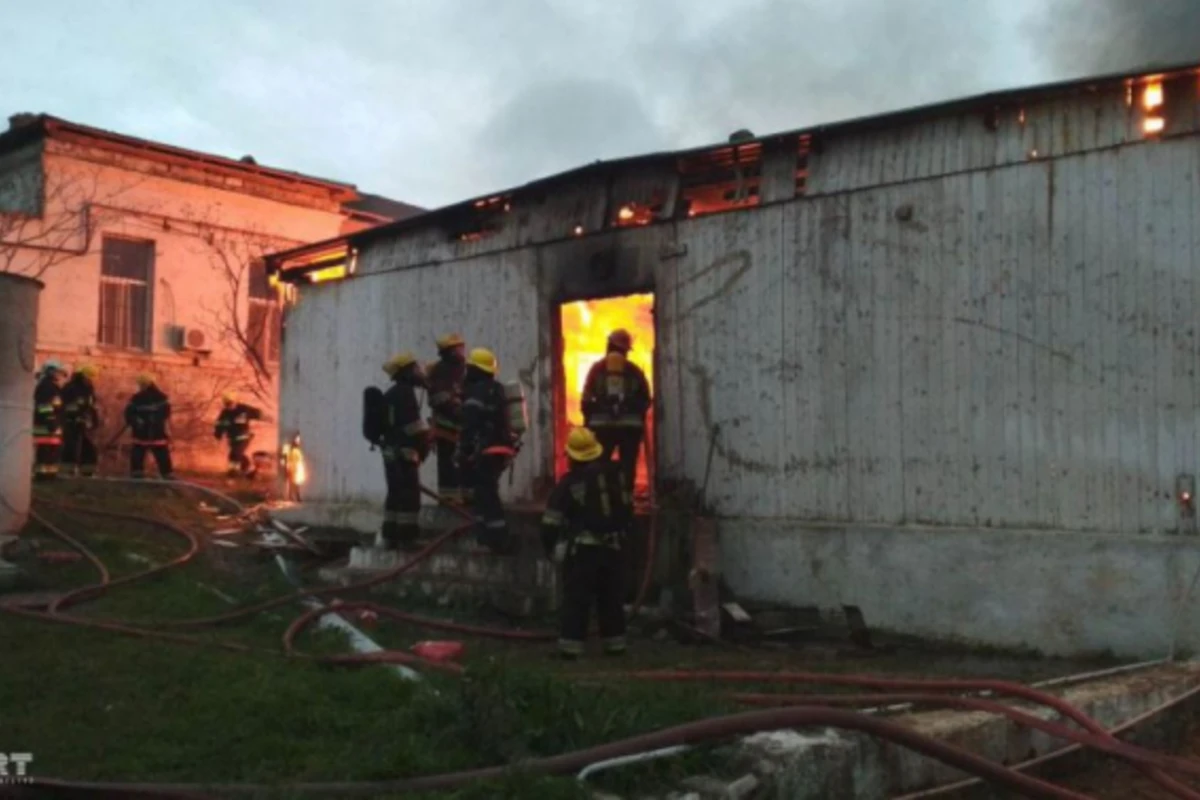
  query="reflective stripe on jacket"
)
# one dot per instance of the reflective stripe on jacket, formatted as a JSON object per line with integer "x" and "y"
{"x": 615, "y": 398}
{"x": 591, "y": 505}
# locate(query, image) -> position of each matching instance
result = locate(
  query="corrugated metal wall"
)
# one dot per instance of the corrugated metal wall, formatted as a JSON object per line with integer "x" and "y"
{"x": 339, "y": 335}
{"x": 1007, "y": 345}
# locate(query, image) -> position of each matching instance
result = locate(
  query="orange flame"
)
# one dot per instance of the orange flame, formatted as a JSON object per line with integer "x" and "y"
{"x": 586, "y": 325}
{"x": 295, "y": 464}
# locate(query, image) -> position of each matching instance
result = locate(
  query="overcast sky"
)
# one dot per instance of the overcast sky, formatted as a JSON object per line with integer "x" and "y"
{"x": 432, "y": 101}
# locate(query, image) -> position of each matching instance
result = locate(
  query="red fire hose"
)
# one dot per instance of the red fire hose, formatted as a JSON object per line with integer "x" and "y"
{"x": 1137, "y": 756}
{"x": 910, "y": 684}
{"x": 689, "y": 733}
{"x": 700, "y": 730}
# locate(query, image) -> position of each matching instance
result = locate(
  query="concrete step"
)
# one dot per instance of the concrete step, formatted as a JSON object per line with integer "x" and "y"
{"x": 517, "y": 584}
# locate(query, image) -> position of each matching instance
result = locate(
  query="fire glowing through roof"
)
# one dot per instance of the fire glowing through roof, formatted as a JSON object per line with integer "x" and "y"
{"x": 585, "y": 328}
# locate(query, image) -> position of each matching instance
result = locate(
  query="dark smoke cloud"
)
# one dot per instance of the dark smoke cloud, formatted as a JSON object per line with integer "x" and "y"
{"x": 1087, "y": 37}
{"x": 634, "y": 77}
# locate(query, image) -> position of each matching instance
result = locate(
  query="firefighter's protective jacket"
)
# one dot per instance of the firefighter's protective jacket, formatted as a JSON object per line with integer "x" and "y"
{"x": 234, "y": 422}
{"x": 485, "y": 416}
{"x": 79, "y": 402}
{"x": 591, "y": 505}
{"x": 405, "y": 434}
{"x": 445, "y": 380}
{"x": 615, "y": 394}
{"x": 147, "y": 414}
{"x": 47, "y": 411}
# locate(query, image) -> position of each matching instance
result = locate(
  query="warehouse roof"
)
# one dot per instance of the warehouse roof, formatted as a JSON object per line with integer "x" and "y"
{"x": 886, "y": 119}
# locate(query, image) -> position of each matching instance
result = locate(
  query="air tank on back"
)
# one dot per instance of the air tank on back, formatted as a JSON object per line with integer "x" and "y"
{"x": 18, "y": 336}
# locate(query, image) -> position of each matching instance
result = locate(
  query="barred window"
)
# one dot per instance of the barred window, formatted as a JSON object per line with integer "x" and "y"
{"x": 264, "y": 322}
{"x": 126, "y": 280}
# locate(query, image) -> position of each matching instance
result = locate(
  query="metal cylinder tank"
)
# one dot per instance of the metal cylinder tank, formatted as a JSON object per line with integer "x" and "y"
{"x": 18, "y": 336}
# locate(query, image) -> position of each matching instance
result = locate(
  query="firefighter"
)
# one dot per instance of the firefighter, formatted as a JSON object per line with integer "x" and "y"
{"x": 405, "y": 444}
{"x": 81, "y": 419}
{"x": 233, "y": 423}
{"x": 445, "y": 381}
{"x": 585, "y": 528}
{"x": 47, "y": 422}
{"x": 148, "y": 415}
{"x": 486, "y": 446}
{"x": 616, "y": 397}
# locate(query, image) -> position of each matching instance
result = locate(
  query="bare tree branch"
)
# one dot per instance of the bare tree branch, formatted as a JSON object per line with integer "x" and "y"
{"x": 51, "y": 215}
{"x": 248, "y": 324}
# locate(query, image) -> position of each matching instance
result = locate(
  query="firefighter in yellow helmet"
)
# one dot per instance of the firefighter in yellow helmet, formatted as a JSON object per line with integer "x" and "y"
{"x": 585, "y": 529}
{"x": 148, "y": 415}
{"x": 616, "y": 397}
{"x": 486, "y": 447}
{"x": 404, "y": 440}
{"x": 445, "y": 384}
{"x": 81, "y": 419}
{"x": 233, "y": 423}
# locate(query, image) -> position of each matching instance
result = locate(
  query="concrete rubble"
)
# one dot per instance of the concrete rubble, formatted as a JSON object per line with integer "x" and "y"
{"x": 816, "y": 765}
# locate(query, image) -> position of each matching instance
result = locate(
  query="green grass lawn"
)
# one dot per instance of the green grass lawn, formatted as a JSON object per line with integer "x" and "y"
{"x": 94, "y": 705}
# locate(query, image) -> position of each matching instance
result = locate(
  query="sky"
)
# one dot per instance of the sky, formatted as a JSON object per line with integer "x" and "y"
{"x": 434, "y": 101}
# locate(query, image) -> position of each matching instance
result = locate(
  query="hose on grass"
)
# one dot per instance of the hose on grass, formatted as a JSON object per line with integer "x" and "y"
{"x": 955, "y": 788}
{"x": 400, "y": 657}
{"x": 1106, "y": 744}
{"x": 701, "y": 731}
{"x": 1005, "y": 688}
{"x": 150, "y": 630}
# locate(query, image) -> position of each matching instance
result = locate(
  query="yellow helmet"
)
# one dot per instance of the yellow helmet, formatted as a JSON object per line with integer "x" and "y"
{"x": 229, "y": 397}
{"x": 582, "y": 445}
{"x": 144, "y": 380}
{"x": 450, "y": 340}
{"x": 89, "y": 371}
{"x": 398, "y": 362}
{"x": 483, "y": 359}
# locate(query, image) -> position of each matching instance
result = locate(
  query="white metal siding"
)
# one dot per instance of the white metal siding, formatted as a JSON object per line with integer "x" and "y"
{"x": 339, "y": 335}
{"x": 927, "y": 148}
{"x": 1018, "y": 350}
{"x": 1008, "y": 345}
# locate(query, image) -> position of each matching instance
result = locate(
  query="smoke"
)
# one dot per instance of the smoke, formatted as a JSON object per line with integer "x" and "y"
{"x": 603, "y": 80}
{"x": 1090, "y": 37}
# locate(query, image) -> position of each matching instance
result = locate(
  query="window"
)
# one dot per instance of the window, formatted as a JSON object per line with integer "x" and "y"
{"x": 126, "y": 274}
{"x": 264, "y": 323}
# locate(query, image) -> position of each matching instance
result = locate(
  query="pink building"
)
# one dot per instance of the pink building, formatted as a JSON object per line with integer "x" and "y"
{"x": 151, "y": 260}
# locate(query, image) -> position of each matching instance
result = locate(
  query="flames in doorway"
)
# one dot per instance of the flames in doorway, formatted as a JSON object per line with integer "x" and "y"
{"x": 585, "y": 328}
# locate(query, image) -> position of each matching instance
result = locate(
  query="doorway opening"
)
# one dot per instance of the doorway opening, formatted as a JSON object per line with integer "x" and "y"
{"x": 585, "y": 326}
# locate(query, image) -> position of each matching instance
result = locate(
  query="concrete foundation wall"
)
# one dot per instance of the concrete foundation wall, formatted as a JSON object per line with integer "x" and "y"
{"x": 1057, "y": 592}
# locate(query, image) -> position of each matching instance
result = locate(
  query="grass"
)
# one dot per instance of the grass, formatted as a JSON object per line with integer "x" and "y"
{"x": 93, "y": 705}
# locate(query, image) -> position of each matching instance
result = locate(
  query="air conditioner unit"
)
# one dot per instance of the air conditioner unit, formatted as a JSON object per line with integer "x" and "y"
{"x": 192, "y": 340}
{"x": 195, "y": 340}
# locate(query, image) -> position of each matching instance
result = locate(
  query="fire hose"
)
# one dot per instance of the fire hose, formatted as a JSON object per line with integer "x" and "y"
{"x": 1134, "y": 755}
{"x": 1100, "y": 741}
{"x": 918, "y": 685}
{"x": 714, "y": 728}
